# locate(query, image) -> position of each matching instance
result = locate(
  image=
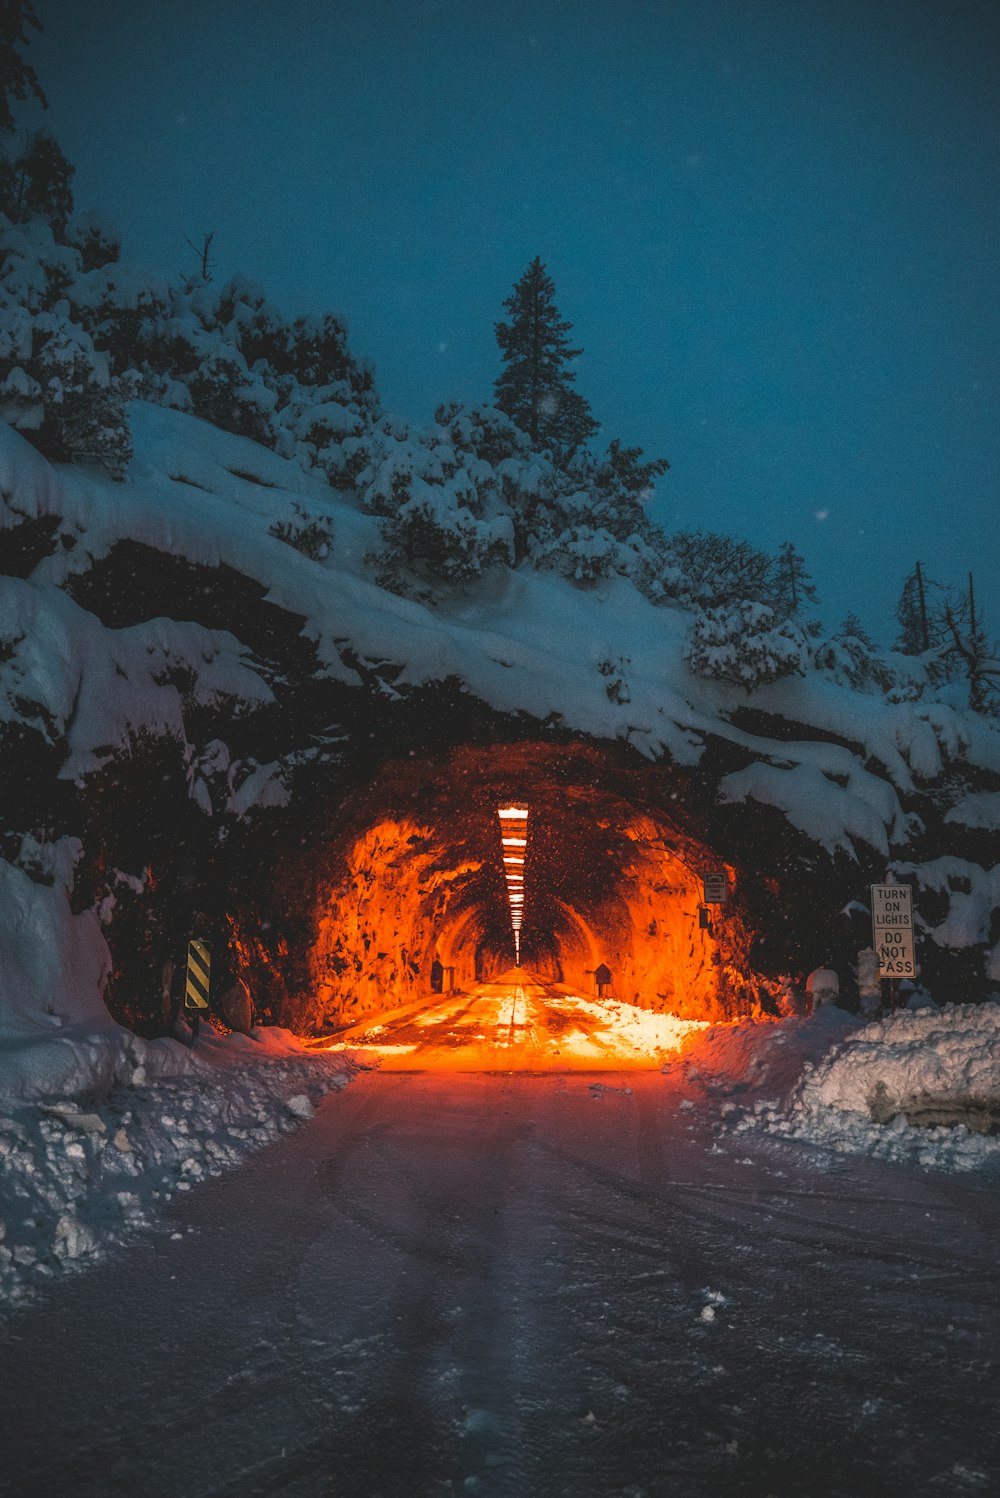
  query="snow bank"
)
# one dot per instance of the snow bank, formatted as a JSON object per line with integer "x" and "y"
{"x": 57, "y": 1039}
{"x": 98, "y": 1127}
{"x": 764, "y": 1057}
{"x": 888, "y": 1067}
{"x": 78, "y": 1181}
{"x": 917, "y": 1087}
{"x": 52, "y": 963}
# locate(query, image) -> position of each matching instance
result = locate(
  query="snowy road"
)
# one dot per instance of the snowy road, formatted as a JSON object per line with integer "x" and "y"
{"x": 511, "y": 1282}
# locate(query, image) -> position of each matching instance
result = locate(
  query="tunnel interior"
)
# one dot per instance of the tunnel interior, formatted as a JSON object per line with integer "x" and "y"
{"x": 406, "y": 894}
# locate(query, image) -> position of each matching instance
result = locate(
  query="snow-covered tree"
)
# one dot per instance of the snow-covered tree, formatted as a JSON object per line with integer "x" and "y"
{"x": 625, "y": 474}
{"x": 223, "y": 392}
{"x": 96, "y": 238}
{"x": 84, "y": 404}
{"x": 535, "y": 385}
{"x": 742, "y": 642}
{"x": 708, "y": 570}
{"x": 443, "y": 515}
{"x": 850, "y": 657}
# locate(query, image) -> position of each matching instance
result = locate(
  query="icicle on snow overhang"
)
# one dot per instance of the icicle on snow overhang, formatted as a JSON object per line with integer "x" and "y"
{"x": 514, "y": 841}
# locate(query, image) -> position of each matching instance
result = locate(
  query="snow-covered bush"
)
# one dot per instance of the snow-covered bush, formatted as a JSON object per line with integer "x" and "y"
{"x": 849, "y": 657}
{"x": 54, "y": 381}
{"x": 584, "y": 554}
{"x": 435, "y": 531}
{"x": 96, "y": 238}
{"x": 225, "y": 354}
{"x": 312, "y": 535}
{"x": 706, "y": 570}
{"x": 444, "y": 509}
{"x": 224, "y": 393}
{"x": 743, "y": 644}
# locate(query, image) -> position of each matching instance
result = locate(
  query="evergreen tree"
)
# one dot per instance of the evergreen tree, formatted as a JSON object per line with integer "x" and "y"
{"x": 919, "y": 614}
{"x": 84, "y": 411}
{"x": 850, "y": 656}
{"x": 17, "y": 77}
{"x": 92, "y": 422}
{"x": 534, "y": 388}
{"x": 792, "y": 587}
{"x": 97, "y": 239}
{"x": 224, "y": 393}
{"x": 743, "y": 643}
{"x": 623, "y": 473}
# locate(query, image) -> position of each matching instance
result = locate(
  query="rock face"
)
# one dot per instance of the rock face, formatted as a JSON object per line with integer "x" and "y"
{"x": 414, "y": 875}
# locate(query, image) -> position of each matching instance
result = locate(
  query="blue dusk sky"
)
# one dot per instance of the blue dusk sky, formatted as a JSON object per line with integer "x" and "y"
{"x": 772, "y": 223}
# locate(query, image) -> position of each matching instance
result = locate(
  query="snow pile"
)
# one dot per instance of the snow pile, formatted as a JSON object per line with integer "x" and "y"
{"x": 57, "y": 1039}
{"x": 79, "y": 1178}
{"x": 98, "y": 1127}
{"x": 764, "y": 1057}
{"x": 889, "y": 1066}
{"x": 627, "y": 1029}
{"x": 52, "y": 963}
{"x": 916, "y": 1087}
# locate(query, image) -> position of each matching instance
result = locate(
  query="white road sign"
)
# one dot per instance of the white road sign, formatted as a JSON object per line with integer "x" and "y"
{"x": 713, "y": 886}
{"x": 892, "y": 930}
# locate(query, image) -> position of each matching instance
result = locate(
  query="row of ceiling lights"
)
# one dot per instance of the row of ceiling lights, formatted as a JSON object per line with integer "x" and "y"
{"x": 514, "y": 841}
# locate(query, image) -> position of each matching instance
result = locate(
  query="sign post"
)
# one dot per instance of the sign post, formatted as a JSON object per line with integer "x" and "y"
{"x": 199, "y": 974}
{"x": 713, "y": 885}
{"x": 892, "y": 932}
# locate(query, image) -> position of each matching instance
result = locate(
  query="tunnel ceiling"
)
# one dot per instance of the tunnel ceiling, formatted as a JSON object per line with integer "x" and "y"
{"x": 412, "y": 872}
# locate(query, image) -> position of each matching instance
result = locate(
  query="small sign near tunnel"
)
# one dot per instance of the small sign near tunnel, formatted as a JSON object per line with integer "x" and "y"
{"x": 892, "y": 928}
{"x": 713, "y": 886}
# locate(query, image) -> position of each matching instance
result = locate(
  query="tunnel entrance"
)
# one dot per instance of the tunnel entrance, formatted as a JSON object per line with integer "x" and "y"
{"x": 408, "y": 894}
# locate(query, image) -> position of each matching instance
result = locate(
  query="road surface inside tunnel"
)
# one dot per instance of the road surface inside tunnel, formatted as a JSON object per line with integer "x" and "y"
{"x": 517, "y": 1023}
{"x": 508, "y": 1282}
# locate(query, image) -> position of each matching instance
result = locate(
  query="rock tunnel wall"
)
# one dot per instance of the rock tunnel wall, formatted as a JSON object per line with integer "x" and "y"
{"x": 406, "y": 893}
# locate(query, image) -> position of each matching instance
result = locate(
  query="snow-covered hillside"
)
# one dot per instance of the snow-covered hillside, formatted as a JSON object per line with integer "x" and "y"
{"x": 182, "y": 607}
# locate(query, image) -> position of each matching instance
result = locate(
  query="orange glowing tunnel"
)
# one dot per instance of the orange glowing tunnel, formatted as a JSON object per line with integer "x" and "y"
{"x": 409, "y": 894}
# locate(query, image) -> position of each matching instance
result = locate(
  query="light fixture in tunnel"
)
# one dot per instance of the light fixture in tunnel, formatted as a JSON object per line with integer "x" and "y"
{"x": 513, "y": 841}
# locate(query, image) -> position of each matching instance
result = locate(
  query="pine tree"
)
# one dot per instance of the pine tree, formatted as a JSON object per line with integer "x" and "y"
{"x": 743, "y": 643}
{"x": 92, "y": 423}
{"x": 850, "y": 655}
{"x": 920, "y": 623}
{"x": 534, "y": 388}
{"x": 792, "y": 587}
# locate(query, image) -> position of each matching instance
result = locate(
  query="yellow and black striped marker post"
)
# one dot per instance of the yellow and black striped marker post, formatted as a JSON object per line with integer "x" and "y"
{"x": 199, "y": 974}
